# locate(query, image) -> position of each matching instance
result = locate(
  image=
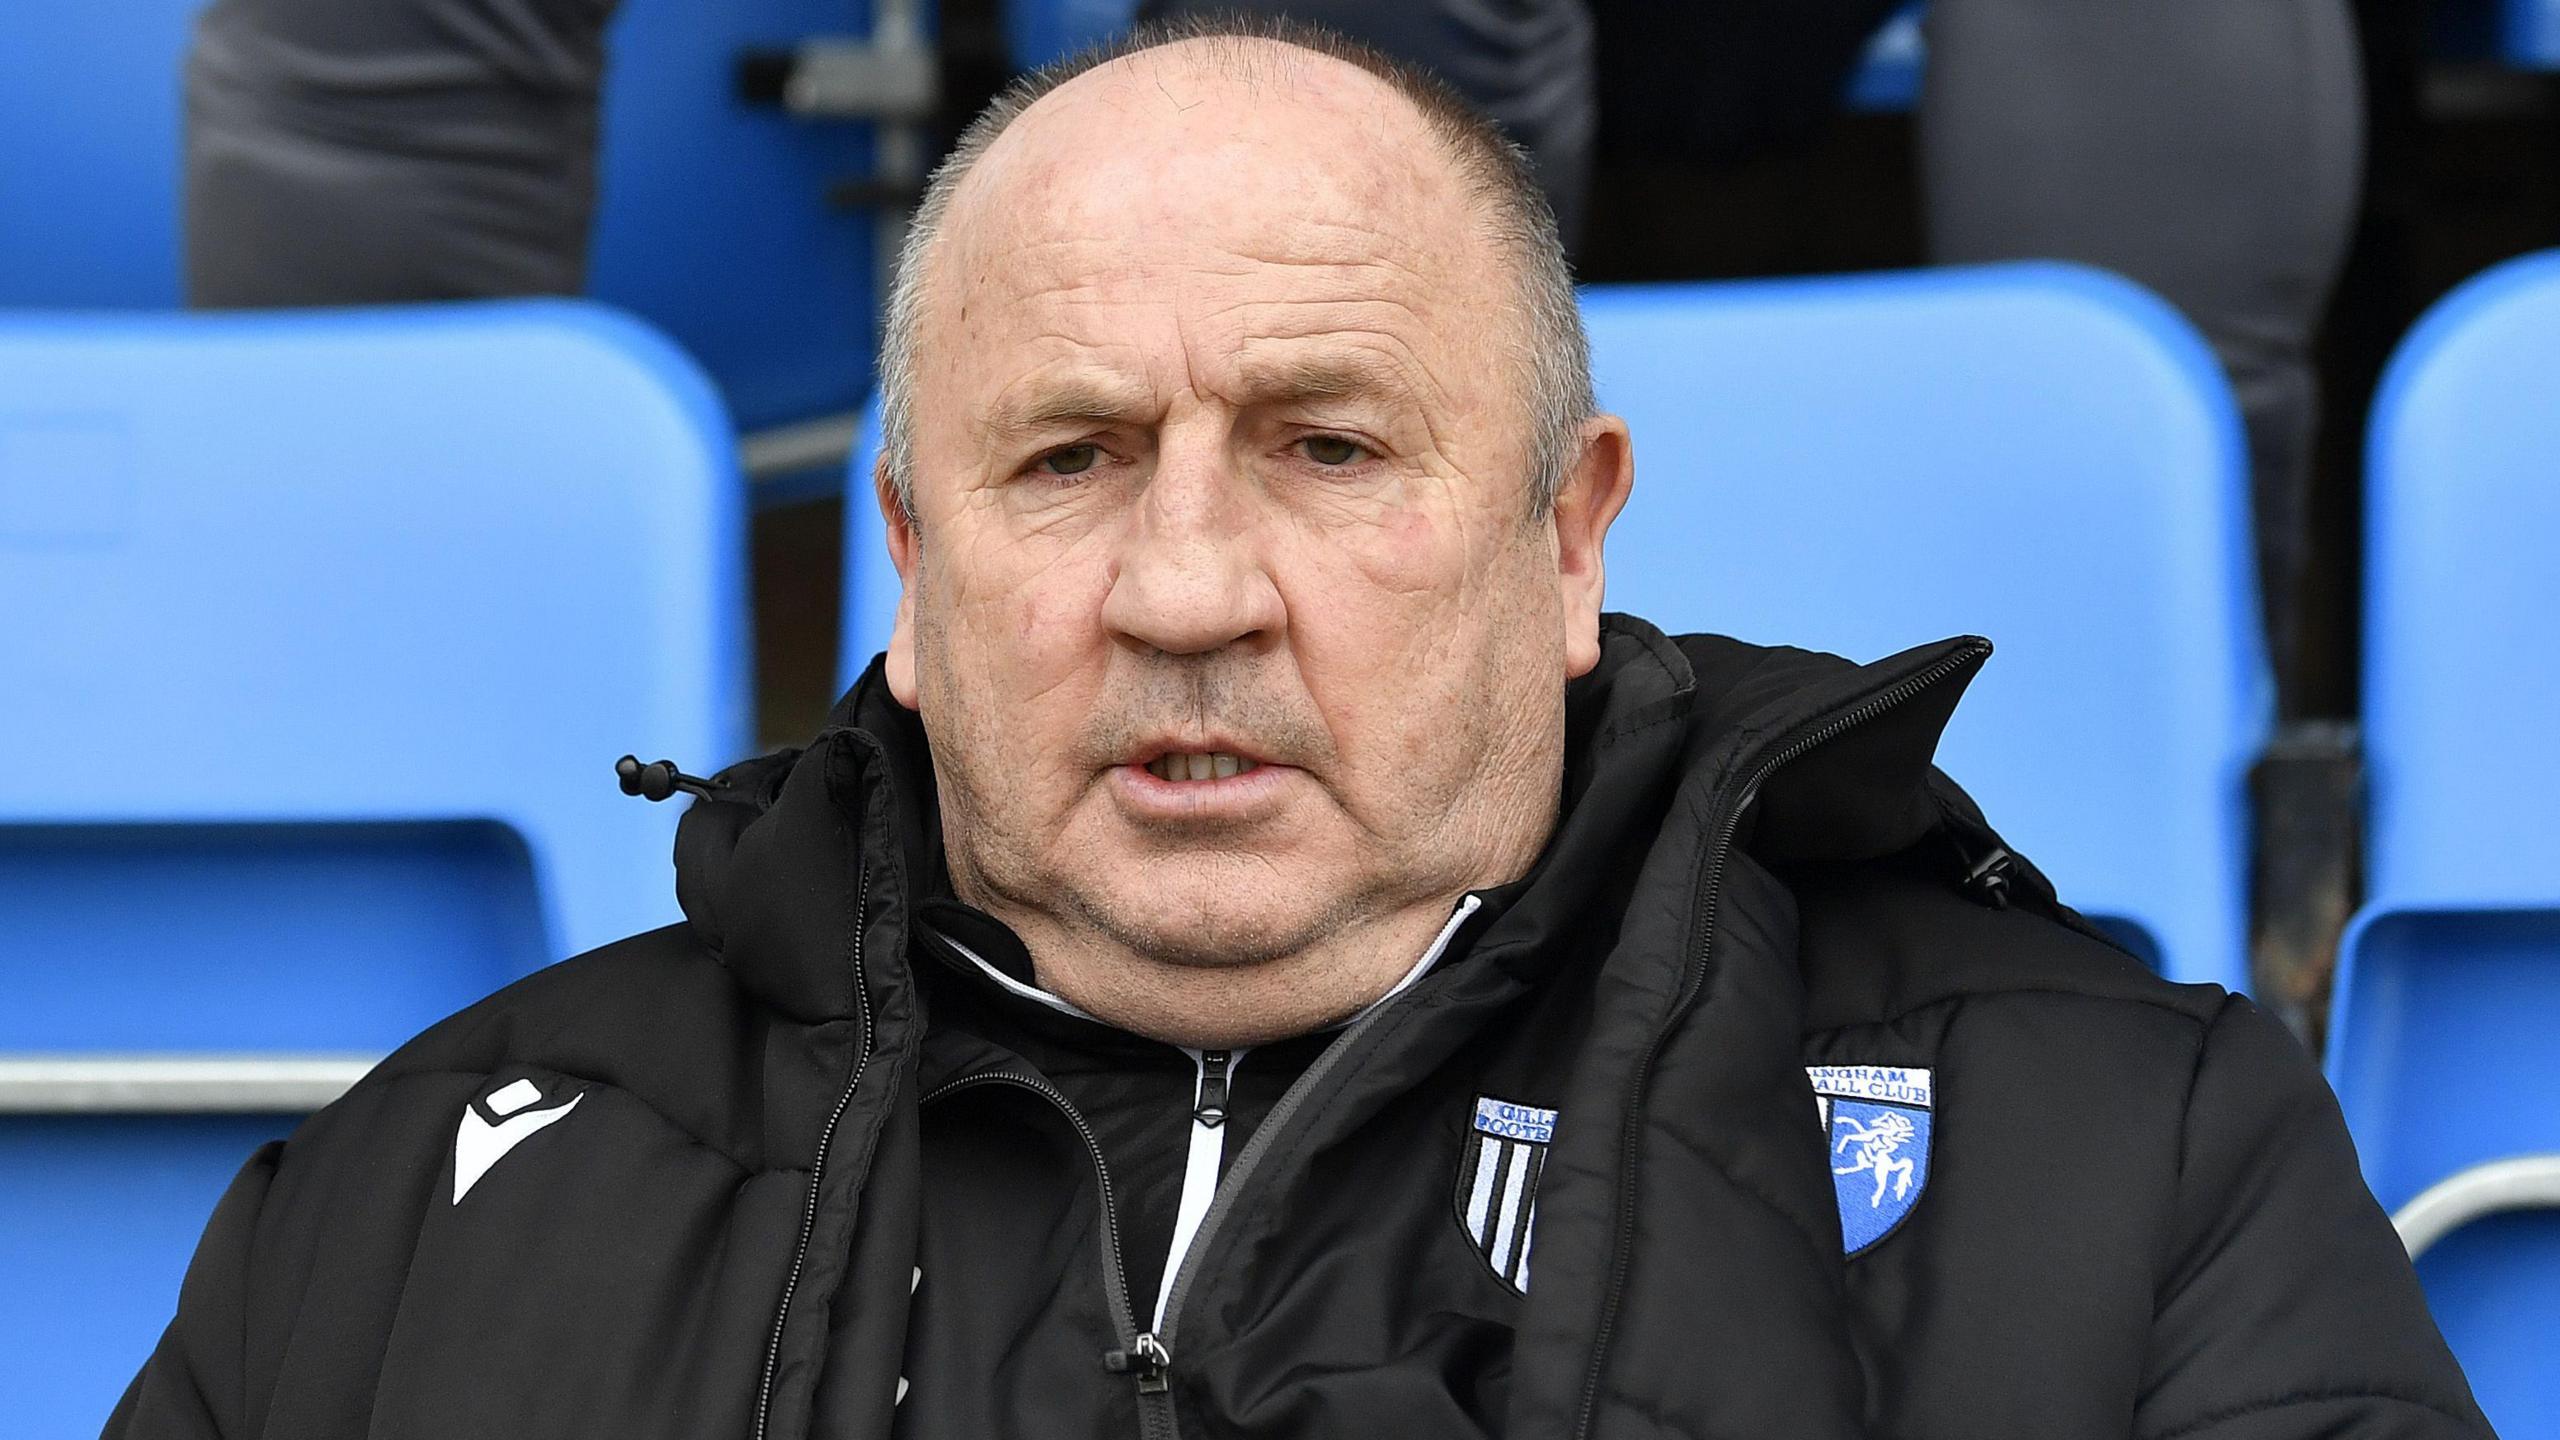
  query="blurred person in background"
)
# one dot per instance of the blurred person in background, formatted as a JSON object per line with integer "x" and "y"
{"x": 1263, "y": 953}
{"x": 352, "y": 151}
{"x": 345, "y": 152}
{"x": 2211, "y": 151}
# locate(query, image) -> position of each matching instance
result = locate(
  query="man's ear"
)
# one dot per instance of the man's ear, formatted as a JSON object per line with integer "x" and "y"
{"x": 1595, "y": 489}
{"x": 901, "y": 528}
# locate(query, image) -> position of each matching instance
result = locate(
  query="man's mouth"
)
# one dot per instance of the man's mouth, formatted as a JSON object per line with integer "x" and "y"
{"x": 1199, "y": 765}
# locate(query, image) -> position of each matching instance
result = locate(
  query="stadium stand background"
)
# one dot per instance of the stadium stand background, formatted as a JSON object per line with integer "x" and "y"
{"x": 750, "y": 235}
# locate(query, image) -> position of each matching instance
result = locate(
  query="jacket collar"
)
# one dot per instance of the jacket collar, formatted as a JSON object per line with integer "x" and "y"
{"x": 769, "y": 866}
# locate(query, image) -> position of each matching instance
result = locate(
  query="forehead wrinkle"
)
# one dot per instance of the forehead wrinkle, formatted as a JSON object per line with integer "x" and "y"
{"x": 1043, "y": 399}
{"x": 1336, "y": 373}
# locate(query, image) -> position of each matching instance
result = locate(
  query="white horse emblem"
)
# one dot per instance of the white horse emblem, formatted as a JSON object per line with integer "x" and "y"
{"x": 1880, "y": 1120}
{"x": 1878, "y": 1143}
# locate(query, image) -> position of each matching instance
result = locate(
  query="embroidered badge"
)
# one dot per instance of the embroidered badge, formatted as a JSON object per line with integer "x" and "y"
{"x": 1498, "y": 1171}
{"x": 1877, "y": 1118}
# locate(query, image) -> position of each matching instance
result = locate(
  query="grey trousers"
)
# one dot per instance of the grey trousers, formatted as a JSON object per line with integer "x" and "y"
{"x": 350, "y": 151}
{"x": 2211, "y": 149}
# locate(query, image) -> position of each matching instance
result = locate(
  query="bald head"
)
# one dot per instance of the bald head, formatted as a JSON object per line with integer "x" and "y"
{"x": 1303, "y": 148}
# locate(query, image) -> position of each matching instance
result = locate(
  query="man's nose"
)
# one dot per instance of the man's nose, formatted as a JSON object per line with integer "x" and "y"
{"x": 1191, "y": 575}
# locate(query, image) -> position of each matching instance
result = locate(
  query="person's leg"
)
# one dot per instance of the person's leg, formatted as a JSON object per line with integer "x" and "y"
{"x": 1527, "y": 63}
{"x": 2211, "y": 150}
{"x": 353, "y": 151}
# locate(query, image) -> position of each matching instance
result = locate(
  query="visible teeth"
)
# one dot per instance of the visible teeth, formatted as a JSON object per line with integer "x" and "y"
{"x": 1208, "y": 765}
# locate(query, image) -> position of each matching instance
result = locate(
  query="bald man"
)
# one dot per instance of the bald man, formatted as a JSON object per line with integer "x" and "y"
{"x": 1263, "y": 954}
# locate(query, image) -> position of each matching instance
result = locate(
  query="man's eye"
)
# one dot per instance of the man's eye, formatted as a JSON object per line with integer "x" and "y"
{"x": 1073, "y": 460}
{"x": 1331, "y": 450}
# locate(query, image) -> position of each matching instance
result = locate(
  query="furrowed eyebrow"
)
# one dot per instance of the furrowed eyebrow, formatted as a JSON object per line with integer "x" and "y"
{"x": 1073, "y": 404}
{"x": 1322, "y": 377}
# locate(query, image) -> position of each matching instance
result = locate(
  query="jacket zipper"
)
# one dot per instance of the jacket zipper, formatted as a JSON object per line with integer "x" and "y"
{"x": 1711, "y": 892}
{"x": 1232, "y": 1186}
{"x": 1207, "y": 1149}
{"x": 818, "y": 1168}
{"x": 1140, "y": 1355}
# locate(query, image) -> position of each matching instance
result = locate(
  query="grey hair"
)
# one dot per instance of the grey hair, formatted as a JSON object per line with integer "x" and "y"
{"x": 1550, "y": 345}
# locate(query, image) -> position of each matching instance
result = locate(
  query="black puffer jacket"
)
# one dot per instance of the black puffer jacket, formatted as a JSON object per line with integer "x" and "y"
{"x": 1826, "y": 1141}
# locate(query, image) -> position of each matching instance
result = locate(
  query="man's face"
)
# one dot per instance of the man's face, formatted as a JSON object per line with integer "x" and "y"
{"x": 1225, "y": 608}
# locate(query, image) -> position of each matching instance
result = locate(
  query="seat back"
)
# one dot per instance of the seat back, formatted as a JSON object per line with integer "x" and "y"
{"x": 320, "y": 635}
{"x": 2441, "y": 1044}
{"x": 721, "y": 221}
{"x": 2529, "y": 33}
{"x": 89, "y": 96}
{"x": 2040, "y": 453}
{"x": 391, "y": 568}
{"x": 717, "y": 220}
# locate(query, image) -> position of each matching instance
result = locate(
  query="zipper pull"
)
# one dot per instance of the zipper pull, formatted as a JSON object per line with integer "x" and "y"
{"x": 1147, "y": 1359}
{"x": 1211, "y": 1111}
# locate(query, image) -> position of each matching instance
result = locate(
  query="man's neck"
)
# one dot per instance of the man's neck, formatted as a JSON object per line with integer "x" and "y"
{"x": 1211, "y": 1006}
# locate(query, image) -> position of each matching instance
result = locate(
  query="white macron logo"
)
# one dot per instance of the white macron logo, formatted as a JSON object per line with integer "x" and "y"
{"x": 479, "y": 1144}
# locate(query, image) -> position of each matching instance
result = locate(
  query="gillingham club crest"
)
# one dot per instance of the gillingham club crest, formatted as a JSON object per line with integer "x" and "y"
{"x": 1498, "y": 1170}
{"x": 1877, "y": 1120}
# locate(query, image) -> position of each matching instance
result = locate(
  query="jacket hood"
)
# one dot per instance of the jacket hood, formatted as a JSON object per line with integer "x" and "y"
{"x": 779, "y": 830}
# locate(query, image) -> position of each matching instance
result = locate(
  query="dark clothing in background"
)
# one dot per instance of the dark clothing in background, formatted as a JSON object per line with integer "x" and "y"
{"x": 2212, "y": 151}
{"x": 1526, "y": 63}
{"x": 345, "y": 151}
{"x": 354, "y": 151}
{"x": 1725, "y": 79}
{"x": 777, "y": 1191}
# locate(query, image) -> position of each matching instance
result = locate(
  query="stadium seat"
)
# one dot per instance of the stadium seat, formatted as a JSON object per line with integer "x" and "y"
{"x": 1038, "y": 32}
{"x": 2530, "y": 33}
{"x": 720, "y": 221}
{"x": 870, "y": 582}
{"x": 717, "y": 220}
{"x": 2040, "y": 453}
{"x": 89, "y": 178}
{"x": 2442, "y": 1044}
{"x": 1887, "y": 76}
{"x": 321, "y": 633}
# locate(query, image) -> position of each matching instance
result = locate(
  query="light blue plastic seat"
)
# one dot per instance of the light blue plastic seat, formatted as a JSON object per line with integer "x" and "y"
{"x": 2039, "y": 453}
{"x": 870, "y": 581}
{"x": 2042, "y": 454}
{"x": 2444, "y": 1039}
{"x": 319, "y": 636}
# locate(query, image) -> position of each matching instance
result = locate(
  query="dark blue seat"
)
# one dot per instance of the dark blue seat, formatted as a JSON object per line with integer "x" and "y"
{"x": 1038, "y": 32}
{"x": 89, "y": 174}
{"x": 2532, "y": 33}
{"x": 718, "y": 221}
{"x": 2041, "y": 453}
{"x": 321, "y": 633}
{"x": 2444, "y": 1038}
{"x": 715, "y": 219}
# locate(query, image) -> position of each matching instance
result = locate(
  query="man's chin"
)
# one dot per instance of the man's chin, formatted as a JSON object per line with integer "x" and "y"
{"x": 1214, "y": 938}
{"x": 1211, "y": 918}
